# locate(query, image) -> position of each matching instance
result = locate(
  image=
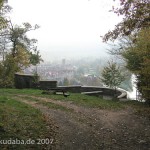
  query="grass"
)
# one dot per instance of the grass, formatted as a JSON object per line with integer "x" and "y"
{"x": 79, "y": 99}
{"x": 83, "y": 100}
{"x": 22, "y": 122}
{"x": 91, "y": 101}
{"x": 20, "y": 91}
{"x": 48, "y": 104}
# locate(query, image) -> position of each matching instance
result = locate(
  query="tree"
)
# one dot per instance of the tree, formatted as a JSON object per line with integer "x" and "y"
{"x": 4, "y": 10}
{"x": 135, "y": 17}
{"x": 66, "y": 82}
{"x": 111, "y": 75}
{"x": 35, "y": 57}
{"x": 17, "y": 38}
{"x": 17, "y": 50}
{"x": 134, "y": 46}
{"x": 138, "y": 61}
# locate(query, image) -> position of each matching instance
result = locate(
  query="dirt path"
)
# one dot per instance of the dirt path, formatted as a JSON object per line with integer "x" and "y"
{"x": 83, "y": 128}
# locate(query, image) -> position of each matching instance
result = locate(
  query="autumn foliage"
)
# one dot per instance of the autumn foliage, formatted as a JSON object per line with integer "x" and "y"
{"x": 135, "y": 30}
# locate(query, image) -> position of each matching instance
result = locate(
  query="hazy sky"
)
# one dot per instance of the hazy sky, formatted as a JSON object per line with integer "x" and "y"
{"x": 68, "y": 28}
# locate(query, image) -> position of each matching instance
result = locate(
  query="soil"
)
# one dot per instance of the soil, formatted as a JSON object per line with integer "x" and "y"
{"x": 85, "y": 128}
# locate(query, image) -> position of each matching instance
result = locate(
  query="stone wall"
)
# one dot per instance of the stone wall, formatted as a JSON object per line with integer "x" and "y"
{"x": 28, "y": 81}
{"x": 25, "y": 81}
{"x": 104, "y": 91}
{"x": 81, "y": 89}
{"x": 72, "y": 89}
{"x": 45, "y": 85}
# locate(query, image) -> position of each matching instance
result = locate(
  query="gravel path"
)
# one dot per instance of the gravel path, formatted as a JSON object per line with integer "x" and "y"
{"x": 83, "y": 128}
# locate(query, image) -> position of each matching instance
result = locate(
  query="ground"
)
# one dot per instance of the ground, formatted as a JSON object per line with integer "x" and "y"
{"x": 81, "y": 127}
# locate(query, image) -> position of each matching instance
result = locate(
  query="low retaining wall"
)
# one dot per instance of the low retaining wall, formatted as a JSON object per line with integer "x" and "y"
{"x": 105, "y": 91}
{"x": 28, "y": 81}
{"x": 72, "y": 89}
{"x": 45, "y": 85}
{"x": 91, "y": 89}
{"x": 93, "y": 93}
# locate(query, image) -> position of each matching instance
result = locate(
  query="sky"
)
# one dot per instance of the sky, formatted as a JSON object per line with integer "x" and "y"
{"x": 68, "y": 28}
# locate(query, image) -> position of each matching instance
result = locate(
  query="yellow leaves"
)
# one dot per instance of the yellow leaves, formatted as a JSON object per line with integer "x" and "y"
{"x": 143, "y": 41}
{"x": 22, "y": 57}
{"x": 146, "y": 67}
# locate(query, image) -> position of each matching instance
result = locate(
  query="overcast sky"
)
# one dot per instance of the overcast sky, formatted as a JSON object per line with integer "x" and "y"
{"x": 68, "y": 28}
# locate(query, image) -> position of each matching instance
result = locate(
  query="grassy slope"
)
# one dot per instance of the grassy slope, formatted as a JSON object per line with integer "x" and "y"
{"x": 22, "y": 122}
{"x": 90, "y": 101}
{"x": 79, "y": 99}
